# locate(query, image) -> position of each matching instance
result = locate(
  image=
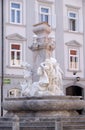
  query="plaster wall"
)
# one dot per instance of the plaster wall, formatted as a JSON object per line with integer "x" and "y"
{"x": 73, "y": 36}
{"x": 59, "y": 36}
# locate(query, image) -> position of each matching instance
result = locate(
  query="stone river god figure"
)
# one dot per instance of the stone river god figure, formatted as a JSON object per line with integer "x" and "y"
{"x": 50, "y": 81}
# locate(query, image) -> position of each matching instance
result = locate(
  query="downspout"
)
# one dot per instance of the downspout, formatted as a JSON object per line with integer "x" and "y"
{"x": 2, "y": 59}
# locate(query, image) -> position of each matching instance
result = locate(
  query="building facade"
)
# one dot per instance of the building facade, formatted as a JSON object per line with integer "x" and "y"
{"x": 67, "y": 20}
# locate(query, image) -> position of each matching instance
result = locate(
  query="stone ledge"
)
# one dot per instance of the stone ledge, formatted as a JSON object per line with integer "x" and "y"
{"x": 44, "y": 103}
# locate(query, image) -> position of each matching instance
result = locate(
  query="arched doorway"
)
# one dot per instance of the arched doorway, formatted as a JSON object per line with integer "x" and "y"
{"x": 74, "y": 91}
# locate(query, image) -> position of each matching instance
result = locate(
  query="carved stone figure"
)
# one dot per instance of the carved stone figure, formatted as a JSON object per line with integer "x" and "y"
{"x": 50, "y": 77}
{"x": 50, "y": 81}
{"x": 26, "y": 84}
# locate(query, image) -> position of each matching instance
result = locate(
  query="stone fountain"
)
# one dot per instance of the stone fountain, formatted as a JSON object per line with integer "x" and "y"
{"x": 45, "y": 97}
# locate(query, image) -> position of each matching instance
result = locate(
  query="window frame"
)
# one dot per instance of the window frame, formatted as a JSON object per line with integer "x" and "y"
{"x": 48, "y": 14}
{"x": 20, "y": 10}
{"x": 73, "y": 18}
{"x": 78, "y": 59}
{"x": 15, "y": 51}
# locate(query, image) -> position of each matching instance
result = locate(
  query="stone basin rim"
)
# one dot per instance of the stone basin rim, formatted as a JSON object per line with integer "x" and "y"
{"x": 44, "y": 97}
{"x": 44, "y": 103}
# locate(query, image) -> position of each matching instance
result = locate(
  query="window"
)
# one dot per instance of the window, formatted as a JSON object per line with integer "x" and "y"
{"x": 44, "y": 14}
{"x": 14, "y": 93}
{"x": 15, "y": 56}
{"x": 73, "y": 59}
{"x": 16, "y": 13}
{"x": 73, "y": 24}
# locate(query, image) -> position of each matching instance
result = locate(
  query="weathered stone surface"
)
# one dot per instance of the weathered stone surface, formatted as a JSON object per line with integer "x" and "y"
{"x": 42, "y": 29}
{"x": 45, "y": 105}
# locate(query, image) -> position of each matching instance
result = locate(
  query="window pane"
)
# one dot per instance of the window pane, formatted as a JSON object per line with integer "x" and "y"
{"x": 18, "y": 58}
{"x": 45, "y": 10}
{"x": 15, "y": 5}
{"x": 18, "y": 17}
{"x": 70, "y": 58}
{"x": 17, "y": 47}
{"x": 12, "y": 55}
{"x": 46, "y": 18}
{"x": 12, "y": 15}
{"x": 73, "y": 52}
{"x": 72, "y": 24}
{"x": 76, "y": 59}
{"x": 13, "y": 58}
{"x": 72, "y": 15}
{"x": 18, "y": 55}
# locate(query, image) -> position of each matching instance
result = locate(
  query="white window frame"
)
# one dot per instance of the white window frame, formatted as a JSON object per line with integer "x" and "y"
{"x": 16, "y": 65}
{"x": 78, "y": 58}
{"x": 73, "y": 18}
{"x": 15, "y": 21}
{"x": 43, "y": 13}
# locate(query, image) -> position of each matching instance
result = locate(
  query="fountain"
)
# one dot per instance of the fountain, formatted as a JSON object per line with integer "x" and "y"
{"x": 45, "y": 97}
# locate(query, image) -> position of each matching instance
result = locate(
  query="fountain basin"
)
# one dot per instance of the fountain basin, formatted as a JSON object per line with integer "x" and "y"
{"x": 44, "y": 103}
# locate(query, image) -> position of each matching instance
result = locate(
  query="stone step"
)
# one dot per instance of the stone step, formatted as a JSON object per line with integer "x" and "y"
{"x": 74, "y": 123}
{"x": 67, "y": 124}
{"x": 77, "y": 123}
{"x": 38, "y": 124}
{"x": 81, "y": 118}
{"x": 69, "y": 128}
{"x": 5, "y": 123}
{"x": 72, "y": 129}
{"x": 76, "y": 127}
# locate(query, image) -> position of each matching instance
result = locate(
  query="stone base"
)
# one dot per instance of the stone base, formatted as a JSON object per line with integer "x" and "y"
{"x": 45, "y": 114}
{"x": 44, "y": 106}
{"x": 41, "y": 113}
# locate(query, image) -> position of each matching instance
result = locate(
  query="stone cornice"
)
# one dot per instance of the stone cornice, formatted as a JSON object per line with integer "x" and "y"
{"x": 47, "y": 1}
{"x": 73, "y": 43}
{"x": 15, "y": 36}
{"x": 72, "y": 6}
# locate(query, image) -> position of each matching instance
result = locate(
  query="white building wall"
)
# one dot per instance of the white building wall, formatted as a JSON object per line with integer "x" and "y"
{"x": 11, "y": 29}
{"x": 74, "y": 5}
{"x": 70, "y": 36}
